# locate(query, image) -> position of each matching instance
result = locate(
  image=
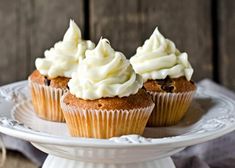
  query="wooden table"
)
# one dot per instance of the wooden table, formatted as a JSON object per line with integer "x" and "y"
{"x": 202, "y": 28}
{"x": 17, "y": 160}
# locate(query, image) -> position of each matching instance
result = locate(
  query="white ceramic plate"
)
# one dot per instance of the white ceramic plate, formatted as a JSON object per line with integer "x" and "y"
{"x": 211, "y": 115}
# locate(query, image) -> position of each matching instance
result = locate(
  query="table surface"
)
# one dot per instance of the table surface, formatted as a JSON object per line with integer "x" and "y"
{"x": 17, "y": 160}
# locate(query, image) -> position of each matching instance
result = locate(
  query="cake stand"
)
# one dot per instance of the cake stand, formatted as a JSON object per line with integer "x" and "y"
{"x": 211, "y": 115}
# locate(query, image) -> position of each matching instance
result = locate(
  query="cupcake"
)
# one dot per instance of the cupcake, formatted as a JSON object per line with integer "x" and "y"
{"x": 50, "y": 79}
{"x": 167, "y": 78}
{"x": 105, "y": 97}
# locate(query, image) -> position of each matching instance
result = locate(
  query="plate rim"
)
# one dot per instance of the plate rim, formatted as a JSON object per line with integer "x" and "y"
{"x": 138, "y": 141}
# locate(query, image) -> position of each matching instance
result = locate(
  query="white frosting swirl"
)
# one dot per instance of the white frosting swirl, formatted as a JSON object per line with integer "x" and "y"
{"x": 63, "y": 59}
{"x": 104, "y": 73}
{"x": 159, "y": 58}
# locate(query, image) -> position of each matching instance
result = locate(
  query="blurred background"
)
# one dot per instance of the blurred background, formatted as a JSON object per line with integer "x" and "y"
{"x": 205, "y": 29}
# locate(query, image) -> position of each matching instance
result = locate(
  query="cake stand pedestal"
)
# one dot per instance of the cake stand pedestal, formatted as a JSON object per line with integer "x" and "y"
{"x": 210, "y": 116}
{"x": 106, "y": 156}
{"x": 57, "y": 162}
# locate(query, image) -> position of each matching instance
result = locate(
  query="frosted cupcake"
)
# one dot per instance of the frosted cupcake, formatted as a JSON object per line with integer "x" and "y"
{"x": 105, "y": 98}
{"x": 167, "y": 77}
{"x": 50, "y": 80}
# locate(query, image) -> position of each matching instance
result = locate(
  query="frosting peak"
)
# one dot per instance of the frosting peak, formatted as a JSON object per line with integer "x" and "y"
{"x": 73, "y": 34}
{"x": 159, "y": 58}
{"x": 104, "y": 73}
{"x": 64, "y": 57}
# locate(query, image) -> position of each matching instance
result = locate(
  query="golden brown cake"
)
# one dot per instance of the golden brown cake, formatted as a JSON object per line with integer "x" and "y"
{"x": 172, "y": 98}
{"x": 58, "y": 82}
{"x": 105, "y": 98}
{"x": 46, "y": 95}
{"x": 167, "y": 75}
{"x": 107, "y": 117}
{"x": 170, "y": 85}
{"x": 139, "y": 100}
{"x": 50, "y": 81}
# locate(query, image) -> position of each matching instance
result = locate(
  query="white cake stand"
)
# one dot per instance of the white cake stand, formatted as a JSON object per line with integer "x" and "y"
{"x": 210, "y": 116}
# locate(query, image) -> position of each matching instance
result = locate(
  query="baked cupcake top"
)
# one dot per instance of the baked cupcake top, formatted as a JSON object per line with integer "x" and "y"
{"x": 63, "y": 58}
{"x": 104, "y": 73}
{"x": 139, "y": 100}
{"x": 170, "y": 85}
{"x": 159, "y": 58}
{"x": 59, "y": 82}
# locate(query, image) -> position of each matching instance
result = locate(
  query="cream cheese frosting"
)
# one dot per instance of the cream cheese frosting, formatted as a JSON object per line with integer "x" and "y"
{"x": 104, "y": 73}
{"x": 159, "y": 58}
{"x": 63, "y": 59}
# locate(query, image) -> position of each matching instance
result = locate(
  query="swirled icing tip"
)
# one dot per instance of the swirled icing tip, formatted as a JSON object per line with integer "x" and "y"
{"x": 103, "y": 41}
{"x": 104, "y": 73}
{"x": 158, "y": 58}
{"x": 64, "y": 58}
{"x": 73, "y": 32}
{"x": 103, "y": 47}
{"x": 156, "y": 31}
{"x": 71, "y": 22}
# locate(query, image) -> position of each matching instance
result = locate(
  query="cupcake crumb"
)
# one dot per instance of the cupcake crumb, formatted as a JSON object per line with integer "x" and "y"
{"x": 170, "y": 85}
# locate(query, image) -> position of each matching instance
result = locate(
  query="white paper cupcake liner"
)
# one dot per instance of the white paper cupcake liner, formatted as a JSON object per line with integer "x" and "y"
{"x": 46, "y": 101}
{"x": 92, "y": 123}
{"x": 169, "y": 107}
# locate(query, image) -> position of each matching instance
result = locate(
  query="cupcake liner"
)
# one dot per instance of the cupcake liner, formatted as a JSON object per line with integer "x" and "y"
{"x": 92, "y": 123}
{"x": 169, "y": 107}
{"x": 46, "y": 101}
